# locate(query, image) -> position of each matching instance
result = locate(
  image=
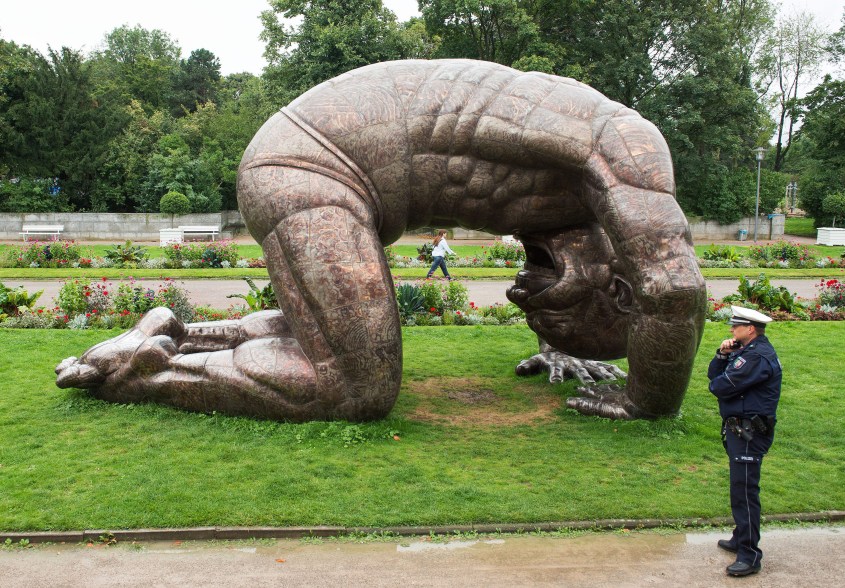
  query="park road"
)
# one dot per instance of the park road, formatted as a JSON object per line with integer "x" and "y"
{"x": 793, "y": 558}
{"x": 483, "y": 293}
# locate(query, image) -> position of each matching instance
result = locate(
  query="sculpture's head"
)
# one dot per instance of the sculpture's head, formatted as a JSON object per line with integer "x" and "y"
{"x": 574, "y": 294}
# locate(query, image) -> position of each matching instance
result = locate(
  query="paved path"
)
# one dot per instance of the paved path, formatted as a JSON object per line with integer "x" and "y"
{"x": 482, "y": 293}
{"x": 793, "y": 558}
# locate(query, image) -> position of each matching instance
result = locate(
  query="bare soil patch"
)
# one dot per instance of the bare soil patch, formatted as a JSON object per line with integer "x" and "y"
{"x": 473, "y": 402}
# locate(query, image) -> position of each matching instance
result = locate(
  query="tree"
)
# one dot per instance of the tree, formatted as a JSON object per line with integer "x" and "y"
{"x": 834, "y": 205}
{"x": 822, "y": 167}
{"x": 793, "y": 55}
{"x": 140, "y": 64}
{"x": 333, "y": 36}
{"x": 54, "y": 126}
{"x": 197, "y": 81}
{"x": 502, "y": 31}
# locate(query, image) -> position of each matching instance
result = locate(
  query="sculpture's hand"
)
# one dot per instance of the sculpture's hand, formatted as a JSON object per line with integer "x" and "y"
{"x": 605, "y": 400}
{"x": 561, "y": 366}
{"x": 144, "y": 349}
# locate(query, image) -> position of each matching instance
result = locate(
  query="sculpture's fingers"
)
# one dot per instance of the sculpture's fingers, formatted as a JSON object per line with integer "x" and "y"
{"x": 599, "y": 370}
{"x": 597, "y": 407}
{"x": 556, "y": 372}
{"x": 532, "y": 365}
{"x": 581, "y": 372}
{"x": 588, "y": 391}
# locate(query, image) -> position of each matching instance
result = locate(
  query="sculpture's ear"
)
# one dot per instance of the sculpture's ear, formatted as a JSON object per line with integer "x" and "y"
{"x": 622, "y": 293}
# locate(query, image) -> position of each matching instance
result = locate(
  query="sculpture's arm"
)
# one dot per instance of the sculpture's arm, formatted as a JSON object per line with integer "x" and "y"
{"x": 630, "y": 187}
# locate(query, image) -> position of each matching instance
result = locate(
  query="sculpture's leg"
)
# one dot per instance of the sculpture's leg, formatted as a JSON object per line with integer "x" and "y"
{"x": 328, "y": 268}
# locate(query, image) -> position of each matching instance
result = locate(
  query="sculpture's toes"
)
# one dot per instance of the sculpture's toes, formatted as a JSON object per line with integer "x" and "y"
{"x": 599, "y": 407}
{"x": 604, "y": 371}
{"x": 529, "y": 367}
{"x": 70, "y": 373}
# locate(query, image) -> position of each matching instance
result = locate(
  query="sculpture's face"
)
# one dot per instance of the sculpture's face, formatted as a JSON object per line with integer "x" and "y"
{"x": 571, "y": 296}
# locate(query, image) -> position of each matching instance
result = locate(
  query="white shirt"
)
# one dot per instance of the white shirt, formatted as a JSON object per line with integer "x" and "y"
{"x": 441, "y": 249}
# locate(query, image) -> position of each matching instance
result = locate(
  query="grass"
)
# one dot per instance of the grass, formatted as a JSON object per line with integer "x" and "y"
{"x": 800, "y": 227}
{"x": 477, "y": 444}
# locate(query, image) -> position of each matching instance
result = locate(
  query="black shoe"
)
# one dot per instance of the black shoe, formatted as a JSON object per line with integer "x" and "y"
{"x": 726, "y": 545}
{"x": 740, "y": 568}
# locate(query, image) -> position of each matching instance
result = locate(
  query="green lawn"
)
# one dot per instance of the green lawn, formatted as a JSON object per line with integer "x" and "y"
{"x": 801, "y": 227}
{"x": 477, "y": 444}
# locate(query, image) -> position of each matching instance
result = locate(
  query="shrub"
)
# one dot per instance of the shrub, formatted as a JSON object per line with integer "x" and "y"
{"x": 126, "y": 255}
{"x": 13, "y": 301}
{"x": 721, "y": 253}
{"x": 834, "y": 205}
{"x": 174, "y": 203}
{"x": 505, "y": 251}
{"x": 765, "y": 296}
{"x": 832, "y": 293}
{"x": 788, "y": 251}
{"x": 410, "y": 299}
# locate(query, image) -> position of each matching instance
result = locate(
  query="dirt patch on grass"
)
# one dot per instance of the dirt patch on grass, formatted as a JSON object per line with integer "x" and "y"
{"x": 471, "y": 401}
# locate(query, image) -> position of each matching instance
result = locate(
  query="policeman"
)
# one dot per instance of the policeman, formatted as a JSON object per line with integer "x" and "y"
{"x": 745, "y": 376}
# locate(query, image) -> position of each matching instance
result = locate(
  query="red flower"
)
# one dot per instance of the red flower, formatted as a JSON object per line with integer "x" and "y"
{"x": 432, "y": 309}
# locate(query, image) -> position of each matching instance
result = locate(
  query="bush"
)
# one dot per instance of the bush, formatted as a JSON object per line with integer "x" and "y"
{"x": 788, "y": 251}
{"x": 410, "y": 300}
{"x": 174, "y": 203}
{"x": 834, "y": 205}
{"x": 126, "y": 255}
{"x": 765, "y": 296}
{"x": 832, "y": 293}
{"x": 721, "y": 253}
{"x": 59, "y": 254}
{"x": 505, "y": 251}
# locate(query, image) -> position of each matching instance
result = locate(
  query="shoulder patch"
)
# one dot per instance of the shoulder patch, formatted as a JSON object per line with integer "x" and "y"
{"x": 739, "y": 362}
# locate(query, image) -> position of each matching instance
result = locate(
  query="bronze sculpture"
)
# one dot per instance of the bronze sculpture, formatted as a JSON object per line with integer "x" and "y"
{"x": 346, "y": 168}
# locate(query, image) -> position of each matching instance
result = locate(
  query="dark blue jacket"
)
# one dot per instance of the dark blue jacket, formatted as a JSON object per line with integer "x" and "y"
{"x": 747, "y": 382}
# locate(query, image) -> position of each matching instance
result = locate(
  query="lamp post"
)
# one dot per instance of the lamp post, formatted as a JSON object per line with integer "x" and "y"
{"x": 760, "y": 152}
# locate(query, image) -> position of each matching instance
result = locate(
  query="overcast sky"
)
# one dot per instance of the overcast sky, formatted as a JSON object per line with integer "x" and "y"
{"x": 228, "y": 29}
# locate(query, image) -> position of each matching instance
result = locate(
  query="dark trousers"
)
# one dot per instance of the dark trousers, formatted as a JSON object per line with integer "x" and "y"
{"x": 746, "y": 458}
{"x": 441, "y": 263}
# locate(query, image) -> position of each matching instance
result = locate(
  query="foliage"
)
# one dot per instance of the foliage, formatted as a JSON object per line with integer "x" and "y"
{"x": 822, "y": 151}
{"x": 258, "y": 298}
{"x": 832, "y": 293}
{"x": 834, "y": 205}
{"x": 424, "y": 253}
{"x": 174, "y": 203}
{"x": 330, "y": 38}
{"x": 126, "y": 255}
{"x": 58, "y": 254}
{"x": 13, "y": 301}
{"x": 410, "y": 299}
{"x": 31, "y": 195}
{"x": 722, "y": 252}
{"x": 505, "y": 251}
{"x": 765, "y": 296}
{"x": 781, "y": 250}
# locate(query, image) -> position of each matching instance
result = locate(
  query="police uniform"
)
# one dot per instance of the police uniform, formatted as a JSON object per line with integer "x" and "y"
{"x": 747, "y": 383}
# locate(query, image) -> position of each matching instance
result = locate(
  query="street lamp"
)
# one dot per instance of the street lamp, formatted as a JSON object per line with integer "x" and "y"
{"x": 760, "y": 152}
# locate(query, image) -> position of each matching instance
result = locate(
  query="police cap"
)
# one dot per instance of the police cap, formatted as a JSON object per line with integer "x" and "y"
{"x": 746, "y": 316}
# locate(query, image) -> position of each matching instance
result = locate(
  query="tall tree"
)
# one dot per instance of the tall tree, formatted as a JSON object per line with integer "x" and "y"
{"x": 332, "y": 37}
{"x": 139, "y": 63}
{"x": 793, "y": 56}
{"x": 197, "y": 81}
{"x": 55, "y": 126}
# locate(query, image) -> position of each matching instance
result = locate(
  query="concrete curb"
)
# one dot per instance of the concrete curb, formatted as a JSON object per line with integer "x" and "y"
{"x": 235, "y": 533}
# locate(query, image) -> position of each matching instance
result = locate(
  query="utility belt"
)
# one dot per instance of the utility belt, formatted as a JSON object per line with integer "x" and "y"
{"x": 745, "y": 427}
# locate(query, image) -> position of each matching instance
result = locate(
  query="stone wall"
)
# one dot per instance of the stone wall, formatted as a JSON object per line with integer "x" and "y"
{"x": 114, "y": 227}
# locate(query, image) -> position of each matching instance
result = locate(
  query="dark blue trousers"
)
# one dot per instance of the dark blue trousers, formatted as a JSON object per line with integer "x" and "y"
{"x": 746, "y": 458}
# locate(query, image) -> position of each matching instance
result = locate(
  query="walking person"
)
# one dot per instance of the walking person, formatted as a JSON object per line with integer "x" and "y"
{"x": 441, "y": 248}
{"x": 745, "y": 376}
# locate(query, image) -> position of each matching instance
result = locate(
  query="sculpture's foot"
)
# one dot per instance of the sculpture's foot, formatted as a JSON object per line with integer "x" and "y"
{"x": 562, "y": 366}
{"x": 145, "y": 348}
{"x": 604, "y": 400}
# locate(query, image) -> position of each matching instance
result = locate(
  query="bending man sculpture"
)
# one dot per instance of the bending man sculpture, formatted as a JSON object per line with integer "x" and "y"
{"x": 585, "y": 183}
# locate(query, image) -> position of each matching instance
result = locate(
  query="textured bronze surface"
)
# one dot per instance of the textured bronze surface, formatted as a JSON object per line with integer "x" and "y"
{"x": 346, "y": 168}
